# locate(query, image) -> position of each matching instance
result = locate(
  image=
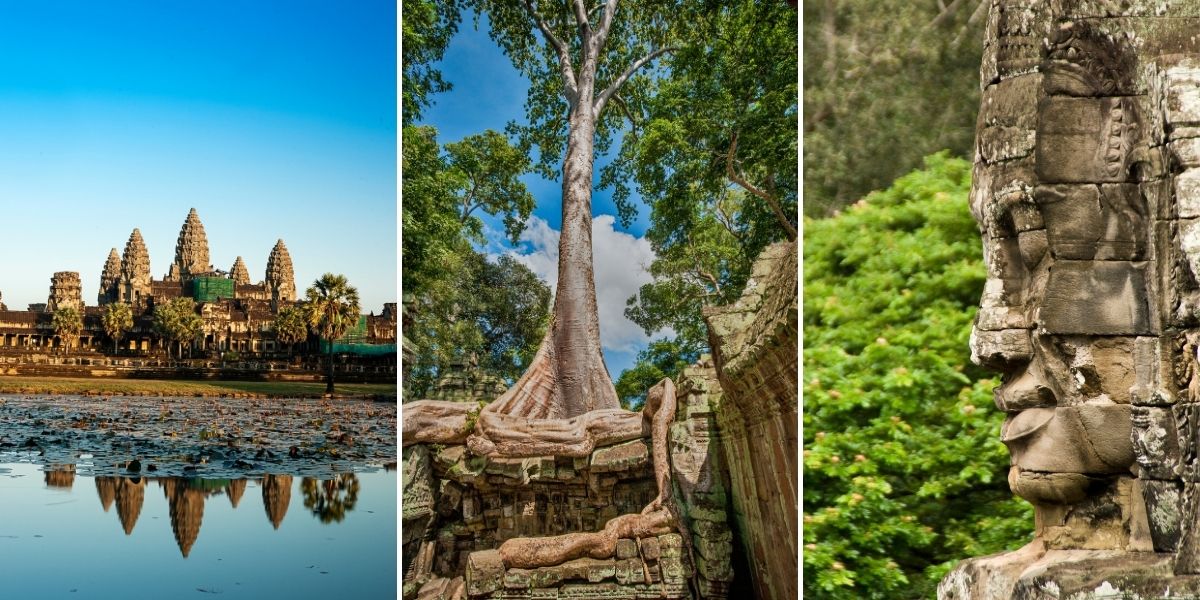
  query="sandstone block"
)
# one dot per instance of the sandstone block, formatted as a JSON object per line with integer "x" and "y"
{"x": 1096, "y": 298}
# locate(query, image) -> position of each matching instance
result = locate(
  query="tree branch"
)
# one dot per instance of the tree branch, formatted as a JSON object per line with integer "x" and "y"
{"x": 771, "y": 201}
{"x": 619, "y": 81}
{"x": 610, "y": 8}
{"x": 581, "y": 15}
{"x": 564, "y": 56}
{"x": 625, "y": 109}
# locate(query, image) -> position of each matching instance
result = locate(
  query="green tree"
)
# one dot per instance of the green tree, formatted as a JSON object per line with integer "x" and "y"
{"x": 723, "y": 118}
{"x": 495, "y": 312}
{"x": 425, "y": 32}
{"x": 662, "y": 358}
{"x": 713, "y": 152}
{"x": 886, "y": 82}
{"x": 443, "y": 191}
{"x": 176, "y": 320}
{"x": 331, "y": 304}
{"x": 117, "y": 319}
{"x": 904, "y": 471}
{"x": 290, "y": 326}
{"x": 329, "y": 500}
{"x": 68, "y": 324}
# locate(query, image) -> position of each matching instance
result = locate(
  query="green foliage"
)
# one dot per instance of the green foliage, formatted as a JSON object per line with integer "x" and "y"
{"x": 713, "y": 152}
{"x": 733, "y": 77}
{"x": 483, "y": 170}
{"x": 662, "y": 358}
{"x": 117, "y": 319}
{"x": 290, "y": 325}
{"x": 331, "y": 306}
{"x": 904, "y": 472}
{"x": 494, "y": 312}
{"x": 176, "y": 320}
{"x": 426, "y": 30}
{"x": 442, "y": 191}
{"x": 67, "y": 323}
{"x": 885, "y": 83}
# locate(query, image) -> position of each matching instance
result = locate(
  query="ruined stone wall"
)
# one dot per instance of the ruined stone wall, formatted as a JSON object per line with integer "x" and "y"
{"x": 754, "y": 343}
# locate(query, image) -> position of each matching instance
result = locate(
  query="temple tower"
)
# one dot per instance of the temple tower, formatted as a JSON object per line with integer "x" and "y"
{"x": 281, "y": 281}
{"x": 191, "y": 250}
{"x": 66, "y": 291}
{"x": 109, "y": 279}
{"x": 134, "y": 284}
{"x": 239, "y": 273}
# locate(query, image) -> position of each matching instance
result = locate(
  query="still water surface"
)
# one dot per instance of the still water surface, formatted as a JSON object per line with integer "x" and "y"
{"x": 68, "y": 535}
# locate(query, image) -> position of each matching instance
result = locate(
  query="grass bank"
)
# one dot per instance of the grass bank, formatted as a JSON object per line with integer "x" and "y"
{"x": 156, "y": 387}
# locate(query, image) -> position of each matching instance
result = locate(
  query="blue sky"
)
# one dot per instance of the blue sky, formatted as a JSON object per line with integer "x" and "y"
{"x": 273, "y": 120}
{"x": 488, "y": 93}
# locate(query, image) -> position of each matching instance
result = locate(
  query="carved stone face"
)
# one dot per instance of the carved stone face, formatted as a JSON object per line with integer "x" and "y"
{"x": 1069, "y": 301}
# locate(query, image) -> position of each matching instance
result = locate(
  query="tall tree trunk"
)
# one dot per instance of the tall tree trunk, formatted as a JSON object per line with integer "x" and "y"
{"x": 329, "y": 375}
{"x": 567, "y": 377}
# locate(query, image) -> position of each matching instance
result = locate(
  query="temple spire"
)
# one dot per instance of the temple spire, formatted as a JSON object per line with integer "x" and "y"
{"x": 135, "y": 270}
{"x": 109, "y": 278}
{"x": 239, "y": 273}
{"x": 191, "y": 250}
{"x": 281, "y": 281}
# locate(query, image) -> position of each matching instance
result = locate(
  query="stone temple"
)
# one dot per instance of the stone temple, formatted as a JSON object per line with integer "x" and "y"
{"x": 237, "y": 314}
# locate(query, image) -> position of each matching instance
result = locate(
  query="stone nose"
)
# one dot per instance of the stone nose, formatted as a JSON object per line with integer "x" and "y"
{"x": 1001, "y": 349}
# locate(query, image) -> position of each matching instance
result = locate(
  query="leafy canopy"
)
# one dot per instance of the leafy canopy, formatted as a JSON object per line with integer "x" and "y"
{"x": 493, "y": 312}
{"x": 117, "y": 319}
{"x": 904, "y": 471}
{"x": 331, "y": 306}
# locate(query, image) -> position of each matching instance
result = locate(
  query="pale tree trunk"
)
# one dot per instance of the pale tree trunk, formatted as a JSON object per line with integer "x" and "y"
{"x": 568, "y": 377}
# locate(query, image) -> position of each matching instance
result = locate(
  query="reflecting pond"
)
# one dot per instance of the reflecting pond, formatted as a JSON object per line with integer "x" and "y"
{"x": 69, "y": 535}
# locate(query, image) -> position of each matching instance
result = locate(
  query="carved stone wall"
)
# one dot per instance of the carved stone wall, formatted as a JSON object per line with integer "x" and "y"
{"x": 459, "y": 508}
{"x": 754, "y": 343}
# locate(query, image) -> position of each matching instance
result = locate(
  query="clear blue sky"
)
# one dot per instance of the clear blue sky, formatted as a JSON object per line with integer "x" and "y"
{"x": 272, "y": 119}
{"x": 488, "y": 93}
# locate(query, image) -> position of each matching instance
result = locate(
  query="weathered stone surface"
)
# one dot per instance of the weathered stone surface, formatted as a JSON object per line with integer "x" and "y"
{"x": 1084, "y": 140}
{"x": 66, "y": 291}
{"x": 1100, "y": 222}
{"x": 1096, "y": 298}
{"x": 754, "y": 351}
{"x": 1156, "y": 442}
{"x": 1103, "y": 380}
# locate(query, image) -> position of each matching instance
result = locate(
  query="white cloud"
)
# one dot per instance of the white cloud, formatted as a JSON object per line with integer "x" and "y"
{"x": 620, "y": 266}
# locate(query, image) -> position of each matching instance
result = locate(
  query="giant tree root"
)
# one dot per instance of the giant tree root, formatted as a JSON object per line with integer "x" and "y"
{"x": 529, "y": 553}
{"x": 434, "y": 422}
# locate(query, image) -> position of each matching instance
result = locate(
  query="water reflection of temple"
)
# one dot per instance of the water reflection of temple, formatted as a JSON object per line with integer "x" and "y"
{"x": 328, "y": 500}
{"x": 276, "y": 493}
{"x": 60, "y": 476}
{"x": 128, "y": 492}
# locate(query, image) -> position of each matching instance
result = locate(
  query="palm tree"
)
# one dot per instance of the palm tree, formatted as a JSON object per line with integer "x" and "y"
{"x": 68, "y": 323}
{"x": 176, "y": 320}
{"x": 290, "y": 326}
{"x": 331, "y": 306}
{"x": 117, "y": 319}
